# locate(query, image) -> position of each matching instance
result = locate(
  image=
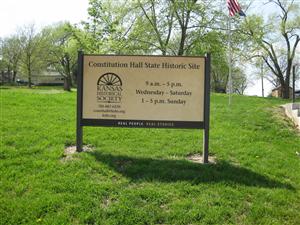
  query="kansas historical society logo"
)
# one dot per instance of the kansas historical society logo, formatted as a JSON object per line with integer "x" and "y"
{"x": 109, "y": 88}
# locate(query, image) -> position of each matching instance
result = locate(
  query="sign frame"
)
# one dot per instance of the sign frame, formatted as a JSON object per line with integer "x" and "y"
{"x": 81, "y": 122}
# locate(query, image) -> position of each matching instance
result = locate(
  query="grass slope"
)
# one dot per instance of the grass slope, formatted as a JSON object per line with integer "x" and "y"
{"x": 141, "y": 176}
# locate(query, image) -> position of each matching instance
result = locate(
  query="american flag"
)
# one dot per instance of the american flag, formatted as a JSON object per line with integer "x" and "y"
{"x": 234, "y": 8}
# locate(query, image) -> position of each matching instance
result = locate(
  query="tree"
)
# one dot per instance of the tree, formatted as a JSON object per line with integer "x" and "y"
{"x": 62, "y": 51}
{"x": 156, "y": 21}
{"x": 11, "y": 54}
{"x": 106, "y": 27}
{"x": 185, "y": 12}
{"x": 2, "y": 66}
{"x": 281, "y": 30}
{"x": 33, "y": 47}
{"x": 214, "y": 43}
{"x": 177, "y": 25}
{"x": 169, "y": 27}
{"x": 239, "y": 81}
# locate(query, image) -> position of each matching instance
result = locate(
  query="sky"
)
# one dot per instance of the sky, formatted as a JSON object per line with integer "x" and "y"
{"x": 17, "y": 13}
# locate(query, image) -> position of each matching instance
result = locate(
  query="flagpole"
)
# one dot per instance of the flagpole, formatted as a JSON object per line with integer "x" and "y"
{"x": 229, "y": 62}
{"x": 234, "y": 8}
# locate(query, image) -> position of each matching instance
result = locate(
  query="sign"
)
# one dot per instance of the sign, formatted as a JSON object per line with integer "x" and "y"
{"x": 143, "y": 91}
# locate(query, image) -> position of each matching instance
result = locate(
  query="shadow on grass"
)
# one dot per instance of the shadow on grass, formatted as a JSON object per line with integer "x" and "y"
{"x": 166, "y": 170}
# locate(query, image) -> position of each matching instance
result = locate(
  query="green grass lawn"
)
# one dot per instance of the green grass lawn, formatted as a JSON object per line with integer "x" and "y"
{"x": 142, "y": 176}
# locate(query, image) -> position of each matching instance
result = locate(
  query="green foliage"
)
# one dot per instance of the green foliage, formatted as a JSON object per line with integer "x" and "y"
{"x": 10, "y": 51}
{"x": 151, "y": 27}
{"x": 239, "y": 81}
{"x": 142, "y": 176}
{"x": 215, "y": 43}
{"x": 160, "y": 27}
{"x": 62, "y": 51}
{"x": 33, "y": 47}
{"x": 104, "y": 30}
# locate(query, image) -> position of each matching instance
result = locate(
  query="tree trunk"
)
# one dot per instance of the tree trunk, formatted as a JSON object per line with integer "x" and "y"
{"x": 74, "y": 75}
{"x": 286, "y": 89}
{"x": 29, "y": 70}
{"x": 14, "y": 76}
{"x": 182, "y": 41}
{"x": 70, "y": 80}
{"x": 2, "y": 77}
{"x": 67, "y": 83}
{"x": 29, "y": 78}
{"x": 8, "y": 75}
{"x": 285, "y": 93}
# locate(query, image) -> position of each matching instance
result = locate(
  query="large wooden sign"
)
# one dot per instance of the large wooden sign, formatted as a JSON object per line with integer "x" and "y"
{"x": 143, "y": 91}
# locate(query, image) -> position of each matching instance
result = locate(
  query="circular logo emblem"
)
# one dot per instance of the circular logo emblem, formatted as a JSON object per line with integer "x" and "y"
{"x": 110, "y": 79}
{"x": 109, "y": 88}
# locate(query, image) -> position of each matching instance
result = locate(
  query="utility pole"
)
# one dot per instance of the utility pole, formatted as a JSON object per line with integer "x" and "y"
{"x": 294, "y": 80}
{"x": 229, "y": 61}
{"x": 262, "y": 78}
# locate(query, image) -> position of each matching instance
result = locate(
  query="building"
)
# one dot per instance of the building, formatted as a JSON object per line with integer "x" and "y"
{"x": 277, "y": 92}
{"x": 48, "y": 78}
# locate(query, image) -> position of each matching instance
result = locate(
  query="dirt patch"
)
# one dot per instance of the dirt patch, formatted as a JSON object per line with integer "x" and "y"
{"x": 197, "y": 158}
{"x": 70, "y": 151}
